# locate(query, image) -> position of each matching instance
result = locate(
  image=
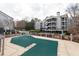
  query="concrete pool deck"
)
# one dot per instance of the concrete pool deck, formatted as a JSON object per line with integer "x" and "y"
{"x": 65, "y": 48}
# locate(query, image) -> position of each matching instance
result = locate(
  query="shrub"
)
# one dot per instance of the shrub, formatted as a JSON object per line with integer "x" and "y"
{"x": 76, "y": 38}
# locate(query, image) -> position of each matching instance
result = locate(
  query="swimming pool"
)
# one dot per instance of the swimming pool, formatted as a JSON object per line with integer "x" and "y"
{"x": 42, "y": 48}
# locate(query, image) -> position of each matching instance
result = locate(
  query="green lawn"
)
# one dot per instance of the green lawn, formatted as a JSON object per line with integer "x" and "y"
{"x": 42, "y": 48}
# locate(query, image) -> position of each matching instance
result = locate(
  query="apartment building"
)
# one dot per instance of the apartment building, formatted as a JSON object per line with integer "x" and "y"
{"x": 55, "y": 23}
{"x": 38, "y": 25}
{"x": 6, "y": 22}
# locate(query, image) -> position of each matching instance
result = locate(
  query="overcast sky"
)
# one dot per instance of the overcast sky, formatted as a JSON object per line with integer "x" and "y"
{"x": 19, "y": 9}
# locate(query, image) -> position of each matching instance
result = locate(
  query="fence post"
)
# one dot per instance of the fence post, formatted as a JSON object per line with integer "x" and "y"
{"x": 71, "y": 37}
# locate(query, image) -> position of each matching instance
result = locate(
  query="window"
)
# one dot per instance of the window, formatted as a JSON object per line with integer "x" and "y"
{"x": 62, "y": 18}
{"x": 54, "y": 28}
{"x": 54, "y": 19}
{"x": 49, "y": 28}
{"x": 53, "y": 23}
{"x": 49, "y": 20}
{"x": 64, "y": 23}
{"x": 48, "y": 24}
{"x": 64, "y": 27}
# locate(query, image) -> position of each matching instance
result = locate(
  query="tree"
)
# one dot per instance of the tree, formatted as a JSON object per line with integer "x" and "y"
{"x": 31, "y": 24}
{"x": 26, "y": 24}
{"x": 73, "y": 11}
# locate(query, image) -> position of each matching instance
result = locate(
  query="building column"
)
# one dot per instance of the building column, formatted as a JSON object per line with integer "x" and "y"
{"x": 0, "y": 45}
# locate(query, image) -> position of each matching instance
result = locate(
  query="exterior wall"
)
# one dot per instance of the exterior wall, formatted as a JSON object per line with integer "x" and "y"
{"x": 64, "y": 24}
{"x": 6, "y": 21}
{"x": 56, "y": 23}
{"x": 38, "y": 25}
{"x": 43, "y": 25}
{"x": 20, "y": 25}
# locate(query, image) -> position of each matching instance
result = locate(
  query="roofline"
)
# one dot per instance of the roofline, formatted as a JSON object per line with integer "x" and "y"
{"x": 7, "y": 15}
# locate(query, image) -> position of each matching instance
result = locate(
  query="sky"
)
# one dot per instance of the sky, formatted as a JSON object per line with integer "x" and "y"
{"x": 19, "y": 9}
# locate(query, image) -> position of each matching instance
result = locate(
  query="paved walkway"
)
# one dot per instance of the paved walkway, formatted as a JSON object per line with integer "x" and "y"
{"x": 15, "y": 50}
{"x": 65, "y": 48}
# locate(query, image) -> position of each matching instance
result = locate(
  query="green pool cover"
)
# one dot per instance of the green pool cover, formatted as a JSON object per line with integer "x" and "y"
{"x": 42, "y": 48}
{"x": 23, "y": 41}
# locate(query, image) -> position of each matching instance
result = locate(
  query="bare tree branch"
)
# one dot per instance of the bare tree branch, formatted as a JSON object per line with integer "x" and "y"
{"x": 73, "y": 11}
